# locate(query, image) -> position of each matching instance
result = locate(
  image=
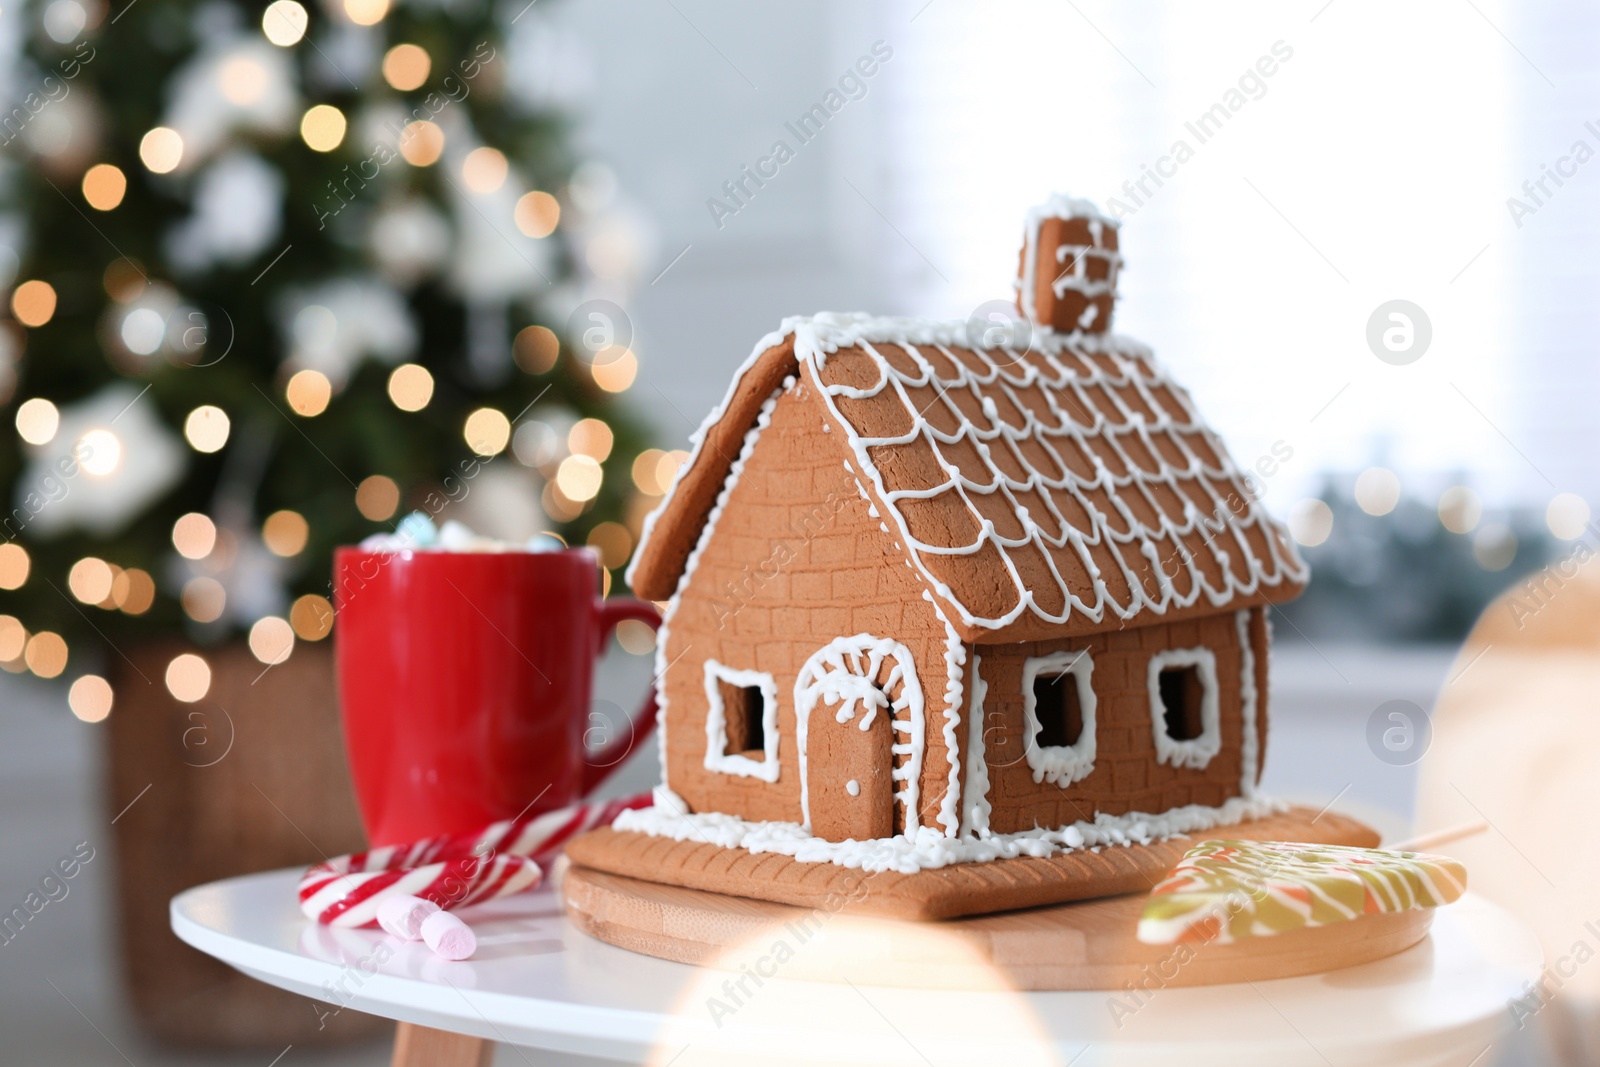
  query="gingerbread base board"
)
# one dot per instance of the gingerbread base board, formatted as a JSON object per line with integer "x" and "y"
{"x": 934, "y": 894}
{"x": 1087, "y": 945}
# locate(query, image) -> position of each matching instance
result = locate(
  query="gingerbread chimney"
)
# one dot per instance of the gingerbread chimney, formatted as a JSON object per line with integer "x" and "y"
{"x": 1067, "y": 280}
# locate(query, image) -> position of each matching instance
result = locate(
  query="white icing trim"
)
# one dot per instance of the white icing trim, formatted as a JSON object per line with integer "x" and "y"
{"x": 1249, "y": 742}
{"x": 1198, "y": 751}
{"x": 927, "y": 847}
{"x": 1060, "y": 206}
{"x": 1060, "y": 764}
{"x": 975, "y": 808}
{"x": 955, "y": 658}
{"x": 735, "y": 469}
{"x": 836, "y": 674}
{"x": 718, "y": 758}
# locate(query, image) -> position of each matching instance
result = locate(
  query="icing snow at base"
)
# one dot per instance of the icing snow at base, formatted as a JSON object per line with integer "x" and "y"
{"x": 927, "y": 847}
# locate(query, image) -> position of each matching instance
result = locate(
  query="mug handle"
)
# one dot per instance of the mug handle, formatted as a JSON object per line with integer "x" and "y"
{"x": 598, "y": 765}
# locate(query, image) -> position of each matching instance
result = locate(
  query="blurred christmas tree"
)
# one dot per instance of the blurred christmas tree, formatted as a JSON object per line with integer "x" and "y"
{"x": 278, "y": 277}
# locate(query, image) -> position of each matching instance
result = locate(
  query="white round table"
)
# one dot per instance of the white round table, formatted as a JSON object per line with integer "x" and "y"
{"x": 538, "y": 982}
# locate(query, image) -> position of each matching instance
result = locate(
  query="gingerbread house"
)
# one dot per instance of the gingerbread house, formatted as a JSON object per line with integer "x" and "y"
{"x": 945, "y": 591}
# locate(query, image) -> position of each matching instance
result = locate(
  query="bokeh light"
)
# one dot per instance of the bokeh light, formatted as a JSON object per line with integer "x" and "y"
{"x": 90, "y": 580}
{"x": 14, "y": 566}
{"x": 1377, "y": 490}
{"x": 194, "y": 535}
{"x": 377, "y": 497}
{"x": 206, "y": 428}
{"x": 271, "y": 640}
{"x": 204, "y": 599}
{"x": 161, "y": 150}
{"x": 592, "y": 438}
{"x": 284, "y": 22}
{"x": 579, "y": 478}
{"x": 366, "y": 12}
{"x": 410, "y": 387}
{"x": 667, "y": 467}
{"x": 484, "y": 170}
{"x": 537, "y": 214}
{"x": 322, "y": 128}
{"x": 535, "y": 349}
{"x": 188, "y": 677}
{"x": 1567, "y": 515}
{"x": 90, "y": 698}
{"x": 1460, "y": 509}
{"x": 406, "y": 66}
{"x": 100, "y": 452}
{"x": 104, "y": 186}
{"x": 613, "y": 541}
{"x": 34, "y": 302}
{"x": 421, "y": 143}
{"x": 312, "y": 617}
{"x": 308, "y": 393}
{"x": 487, "y": 432}
{"x": 285, "y": 533}
{"x": 645, "y": 465}
{"x": 13, "y": 638}
{"x": 615, "y": 369}
{"x": 133, "y": 591}
{"x": 1311, "y": 522}
{"x": 37, "y": 421}
{"x": 46, "y": 654}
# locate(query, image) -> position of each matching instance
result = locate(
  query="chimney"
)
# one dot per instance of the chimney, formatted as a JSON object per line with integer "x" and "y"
{"x": 1067, "y": 279}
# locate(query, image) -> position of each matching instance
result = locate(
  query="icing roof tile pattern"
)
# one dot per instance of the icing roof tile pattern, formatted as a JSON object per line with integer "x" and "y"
{"x": 1072, "y": 483}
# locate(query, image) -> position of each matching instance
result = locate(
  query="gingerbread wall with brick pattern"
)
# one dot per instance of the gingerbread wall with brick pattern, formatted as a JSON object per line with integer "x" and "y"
{"x": 1126, "y": 776}
{"x": 795, "y": 560}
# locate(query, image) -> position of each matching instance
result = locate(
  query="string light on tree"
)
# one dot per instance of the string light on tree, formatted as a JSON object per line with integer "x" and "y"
{"x": 34, "y": 302}
{"x": 46, "y": 654}
{"x": 13, "y": 639}
{"x": 188, "y": 677}
{"x": 410, "y": 387}
{"x": 487, "y": 432}
{"x": 90, "y": 698}
{"x": 645, "y": 465}
{"x": 484, "y": 170}
{"x": 285, "y": 533}
{"x": 100, "y": 451}
{"x": 284, "y": 23}
{"x": 535, "y": 349}
{"x": 614, "y": 369}
{"x": 421, "y": 143}
{"x": 271, "y": 640}
{"x": 406, "y": 67}
{"x": 14, "y": 566}
{"x": 194, "y": 536}
{"x": 104, "y": 186}
{"x": 322, "y": 128}
{"x": 37, "y": 421}
{"x": 377, "y": 497}
{"x": 537, "y": 214}
{"x": 312, "y": 617}
{"x": 204, "y": 599}
{"x": 206, "y": 428}
{"x": 133, "y": 591}
{"x": 161, "y": 150}
{"x": 366, "y": 12}
{"x": 579, "y": 478}
{"x": 592, "y": 438}
{"x": 309, "y": 392}
{"x": 90, "y": 580}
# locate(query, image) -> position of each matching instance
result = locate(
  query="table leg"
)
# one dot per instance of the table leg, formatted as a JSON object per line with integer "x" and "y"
{"x": 418, "y": 1046}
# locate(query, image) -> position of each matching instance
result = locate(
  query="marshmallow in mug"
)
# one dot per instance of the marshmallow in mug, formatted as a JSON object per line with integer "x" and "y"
{"x": 417, "y": 531}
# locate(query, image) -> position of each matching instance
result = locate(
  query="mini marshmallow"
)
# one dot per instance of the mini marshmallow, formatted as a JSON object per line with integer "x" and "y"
{"x": 448, "y": 936}
{"x": 402, "y": 916}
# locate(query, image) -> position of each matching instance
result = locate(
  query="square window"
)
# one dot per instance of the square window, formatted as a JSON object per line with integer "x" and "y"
{"x": 1058, "y": 709}
{"x": 741, "y": 722}
{"x": 1185, "y": 718}
{"x": 743, "y": 709}
{"x": 1181, "y": 695}
{"x": 1058, "y": 716}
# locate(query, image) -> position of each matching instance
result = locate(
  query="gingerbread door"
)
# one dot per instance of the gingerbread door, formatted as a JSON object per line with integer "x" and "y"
{"x": 860, "y": 711}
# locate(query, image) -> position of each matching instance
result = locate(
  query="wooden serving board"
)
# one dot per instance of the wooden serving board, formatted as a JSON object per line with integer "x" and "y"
{"x": 1086, "y": 945}
{"x": 936, "y": 892}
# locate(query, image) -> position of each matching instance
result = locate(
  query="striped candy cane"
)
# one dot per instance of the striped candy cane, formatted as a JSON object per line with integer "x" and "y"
{"x": 452, "y": 871}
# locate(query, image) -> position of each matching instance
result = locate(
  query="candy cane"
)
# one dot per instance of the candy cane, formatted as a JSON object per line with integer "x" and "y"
{"x": 452, "y": 870}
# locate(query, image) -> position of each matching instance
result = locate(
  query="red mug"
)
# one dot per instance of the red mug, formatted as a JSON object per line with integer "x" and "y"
{"x": 464, "y": 681}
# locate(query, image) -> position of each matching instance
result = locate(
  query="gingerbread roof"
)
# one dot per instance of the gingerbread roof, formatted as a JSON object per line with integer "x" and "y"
{"x": 1065, "y": 488}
